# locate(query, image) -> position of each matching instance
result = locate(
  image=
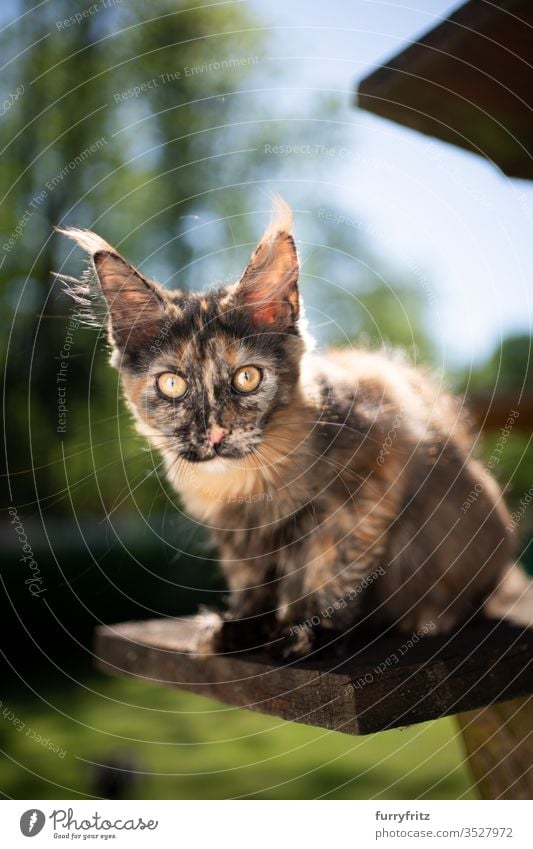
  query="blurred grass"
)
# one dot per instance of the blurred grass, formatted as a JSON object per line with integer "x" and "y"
{"x": 188, "y": 747}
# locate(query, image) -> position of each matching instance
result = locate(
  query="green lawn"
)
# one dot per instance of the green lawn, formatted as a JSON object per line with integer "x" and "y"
{"x": 188, "y": 747}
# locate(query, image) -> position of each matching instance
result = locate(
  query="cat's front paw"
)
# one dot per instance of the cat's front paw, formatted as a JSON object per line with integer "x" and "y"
{"x": 291, "y": 643}
{"x": 228, "y": 634}
{"x": 208, "y": 627}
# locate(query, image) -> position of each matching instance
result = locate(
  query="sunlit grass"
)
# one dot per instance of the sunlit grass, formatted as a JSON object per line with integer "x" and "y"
{"x": 188, "y": 747}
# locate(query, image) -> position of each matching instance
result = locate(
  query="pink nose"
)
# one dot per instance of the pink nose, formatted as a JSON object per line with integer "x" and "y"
{"x": 216, "y": 435}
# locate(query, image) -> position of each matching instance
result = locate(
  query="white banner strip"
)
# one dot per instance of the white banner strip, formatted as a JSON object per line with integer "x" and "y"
{"x": 267, "y": 824}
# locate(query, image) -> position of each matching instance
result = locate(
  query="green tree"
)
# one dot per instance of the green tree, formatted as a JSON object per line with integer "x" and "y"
{"x": 116, "y": 129}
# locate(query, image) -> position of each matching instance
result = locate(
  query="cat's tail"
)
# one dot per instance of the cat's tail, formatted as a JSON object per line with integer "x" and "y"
{"x": 512, "y": 599}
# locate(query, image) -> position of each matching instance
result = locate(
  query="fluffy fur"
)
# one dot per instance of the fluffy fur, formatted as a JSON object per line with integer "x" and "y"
{"x": 334, "y": 490}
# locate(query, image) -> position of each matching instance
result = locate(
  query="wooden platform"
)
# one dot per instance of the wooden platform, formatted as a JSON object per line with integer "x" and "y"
{"x": 378, "y": 684}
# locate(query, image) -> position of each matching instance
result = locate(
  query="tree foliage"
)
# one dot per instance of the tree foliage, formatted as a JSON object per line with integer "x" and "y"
{"x": 163, "y": 127}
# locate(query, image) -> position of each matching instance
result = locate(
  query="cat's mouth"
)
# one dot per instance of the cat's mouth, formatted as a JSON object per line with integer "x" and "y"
{"x": 217, "y": 455}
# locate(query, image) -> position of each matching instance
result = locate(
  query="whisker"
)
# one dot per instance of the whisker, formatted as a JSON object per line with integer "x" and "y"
{"x": 130, "y": 490}
{"x": 306, "y": 450}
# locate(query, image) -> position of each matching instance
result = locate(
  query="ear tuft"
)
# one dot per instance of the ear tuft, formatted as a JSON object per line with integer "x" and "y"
{"x": 268, "y": 289}
{"x": 136, "y": 306}
{"x": 86, "y": 239}
{"x": 281, "y": 220}
{"x": 87, "y": 295}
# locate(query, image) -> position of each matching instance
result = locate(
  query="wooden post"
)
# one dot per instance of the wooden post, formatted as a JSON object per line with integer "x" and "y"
{"x": 499, "y": 745}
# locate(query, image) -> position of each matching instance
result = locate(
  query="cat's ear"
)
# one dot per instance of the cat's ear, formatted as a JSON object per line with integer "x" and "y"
{"x": 268, "y": 289}
{"x": 135, "y": 304}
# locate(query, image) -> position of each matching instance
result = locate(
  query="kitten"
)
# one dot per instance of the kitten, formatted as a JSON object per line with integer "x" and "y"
{"x": 332, "y": 485}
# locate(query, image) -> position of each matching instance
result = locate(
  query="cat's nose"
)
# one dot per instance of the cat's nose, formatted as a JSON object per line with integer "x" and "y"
{"x": 216, "y": 435}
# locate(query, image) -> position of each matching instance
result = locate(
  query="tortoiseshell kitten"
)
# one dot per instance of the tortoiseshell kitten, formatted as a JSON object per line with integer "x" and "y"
{"x": 332, "y": 485}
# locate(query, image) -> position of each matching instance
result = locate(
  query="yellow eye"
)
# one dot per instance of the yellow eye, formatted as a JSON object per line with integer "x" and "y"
{"x": 246, "y": 379}
{"x": 172, "y": 385}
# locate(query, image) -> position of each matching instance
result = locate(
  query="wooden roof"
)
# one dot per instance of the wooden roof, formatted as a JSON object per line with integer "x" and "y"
{"x": 468, "y": 81}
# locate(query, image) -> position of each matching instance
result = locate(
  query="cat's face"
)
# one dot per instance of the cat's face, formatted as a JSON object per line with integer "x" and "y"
{"x": 205, "y": 374}
{"x": 213, "y": 384}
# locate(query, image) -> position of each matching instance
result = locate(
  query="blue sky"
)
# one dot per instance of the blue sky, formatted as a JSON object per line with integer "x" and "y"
{"x": 445, "y": 216}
